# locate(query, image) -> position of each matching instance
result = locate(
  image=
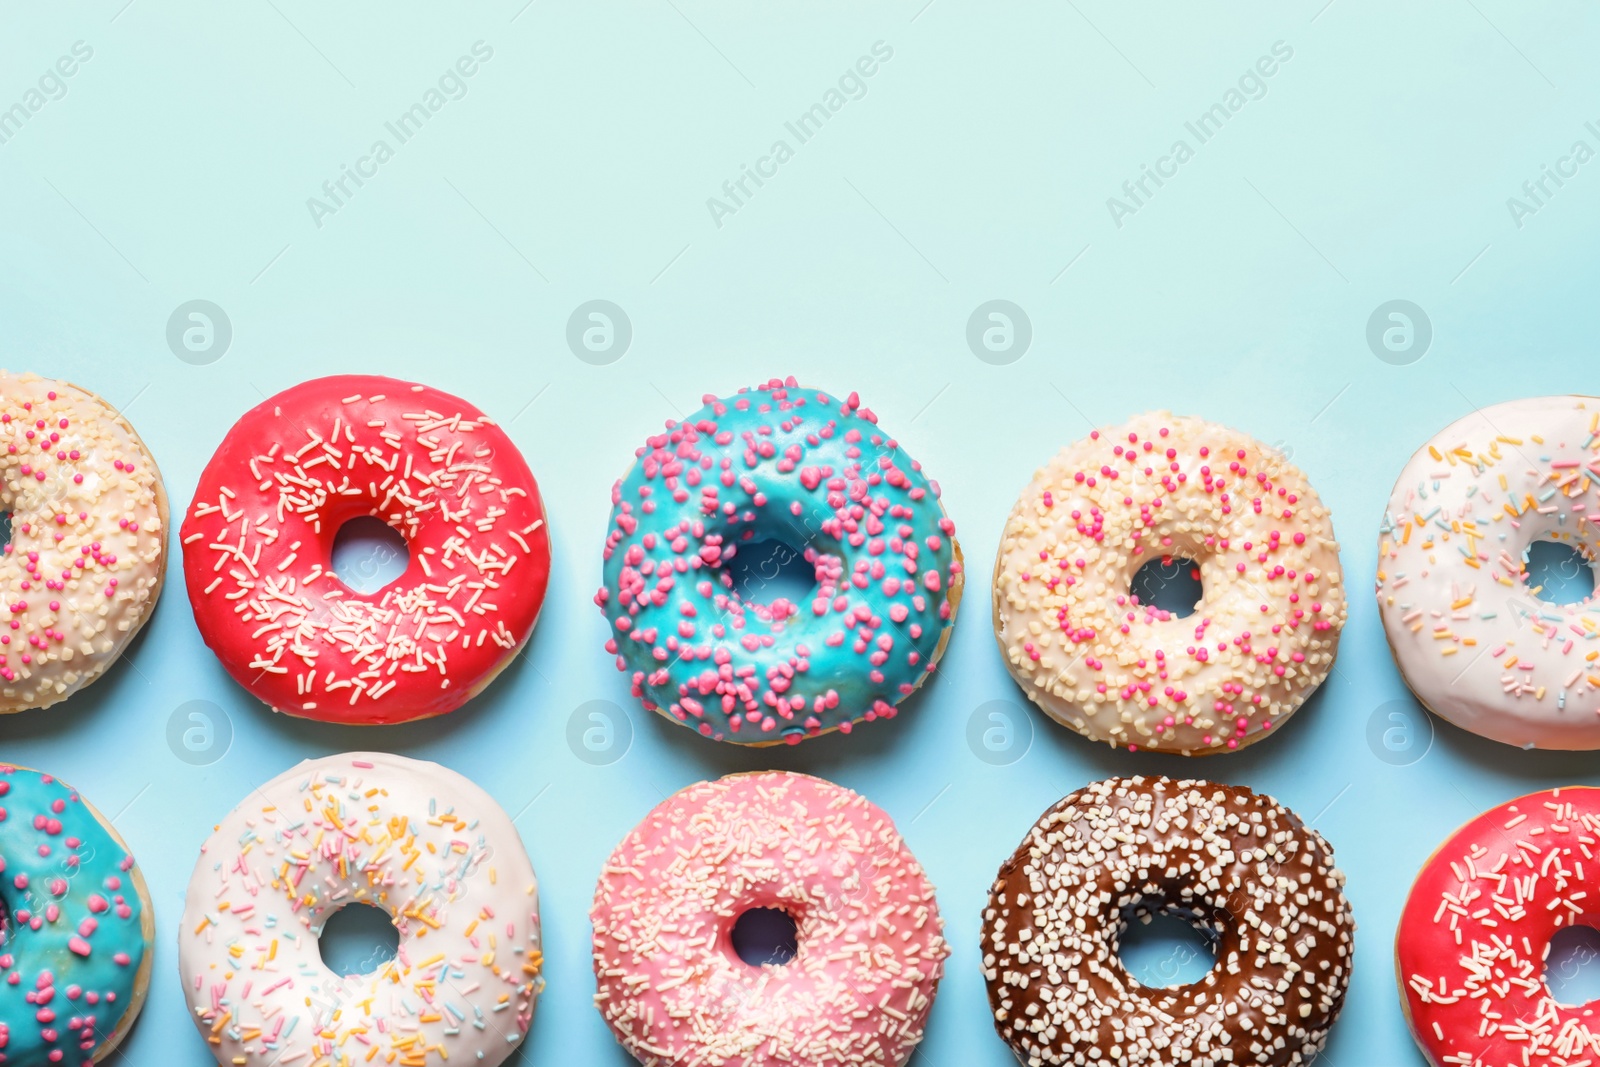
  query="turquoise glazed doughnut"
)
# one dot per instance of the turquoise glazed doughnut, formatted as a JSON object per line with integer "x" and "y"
{"x": 75, "y": 954}
{"x": 801, "y": 467}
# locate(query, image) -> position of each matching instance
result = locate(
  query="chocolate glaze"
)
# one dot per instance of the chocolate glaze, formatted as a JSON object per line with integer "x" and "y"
{"x": 1234, "y": 862}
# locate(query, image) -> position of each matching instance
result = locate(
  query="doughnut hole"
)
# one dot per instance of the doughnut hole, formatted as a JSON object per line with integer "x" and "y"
{"x": 761, "y": 936}
{"x": 1558, "y": 572}
{"x": 1572, "y": 965}
{"x": 763, "y": 571}
{"x": 358, "y": 939}
{"x": 368, "y": 554}
{"x": 1170, "y": 584}
{"x": 1162, "y": 946}
{"x": 5, "y": 531}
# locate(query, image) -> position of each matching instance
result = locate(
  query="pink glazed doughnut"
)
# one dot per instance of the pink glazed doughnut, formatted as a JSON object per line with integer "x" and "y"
{"x": 870, "y": 949}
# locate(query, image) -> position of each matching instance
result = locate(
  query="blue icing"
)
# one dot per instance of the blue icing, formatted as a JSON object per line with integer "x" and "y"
{"x": 777, "y": 463}
{"x": 73, "y": 941}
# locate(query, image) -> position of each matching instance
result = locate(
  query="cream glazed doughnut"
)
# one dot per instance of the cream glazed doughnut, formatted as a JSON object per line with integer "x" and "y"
{"x": 1472, "y": 640}
{"x": 88, "y": 547}
{"x": 868, "y": 933}
{"x": 258, "y": 546}
{"x": 1163, "y": 486}
{"x": 1476, "y": 928}
{"x": 1233, "y": 862}
{"x": 420, "y": 842}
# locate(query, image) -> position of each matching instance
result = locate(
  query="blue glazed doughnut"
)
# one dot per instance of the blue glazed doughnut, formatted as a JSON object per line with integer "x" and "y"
{"x": 801, "y": 467}
{"x": 75, "y": 953}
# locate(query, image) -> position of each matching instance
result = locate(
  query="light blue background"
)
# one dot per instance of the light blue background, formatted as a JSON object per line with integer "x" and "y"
{"x": 977, "y": 166}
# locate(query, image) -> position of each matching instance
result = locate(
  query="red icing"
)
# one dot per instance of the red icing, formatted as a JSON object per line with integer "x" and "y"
{"x": 258, "y": 563}
{"x": 1475, "y": 930}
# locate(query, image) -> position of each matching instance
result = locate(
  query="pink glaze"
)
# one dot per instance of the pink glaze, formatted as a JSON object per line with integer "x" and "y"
{"x": 871, "y": 950}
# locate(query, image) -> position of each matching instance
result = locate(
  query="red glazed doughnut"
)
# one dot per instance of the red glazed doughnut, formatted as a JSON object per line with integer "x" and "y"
{"x": 1470, "y": 950}
{"x": 258, "y": 543}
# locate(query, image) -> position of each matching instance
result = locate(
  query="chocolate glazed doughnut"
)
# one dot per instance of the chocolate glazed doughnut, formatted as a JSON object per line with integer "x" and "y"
{"x": 1236, "y": 864}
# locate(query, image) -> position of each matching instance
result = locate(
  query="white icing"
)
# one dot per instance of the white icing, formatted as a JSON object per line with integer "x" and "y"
{"x": 413, "y": 838}
{"x": 1473, "y": 641}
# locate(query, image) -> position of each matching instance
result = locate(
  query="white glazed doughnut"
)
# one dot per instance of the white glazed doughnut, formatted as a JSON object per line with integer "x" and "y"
{"x": 413, "y": 838}
{"x": 1163, "y": 486}
{"x": 1474, "y": 643}
{"x": 88, "y": 538}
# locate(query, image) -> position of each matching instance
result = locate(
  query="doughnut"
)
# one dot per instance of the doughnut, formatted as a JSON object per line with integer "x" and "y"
{"x": 412, "y": 838}
{"x": 78, "y": 937}
{"x": 1166, "y": 487}
{"x": 1236, "y": 864}
{"x": 810, "y": 470}
{"x": 870, "y": 949}
{"x": 83, "y": 570}
{"x": 1473, "y": 935}
{"x": 258, "y": 546}
{"x": 1472, "y": 641}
